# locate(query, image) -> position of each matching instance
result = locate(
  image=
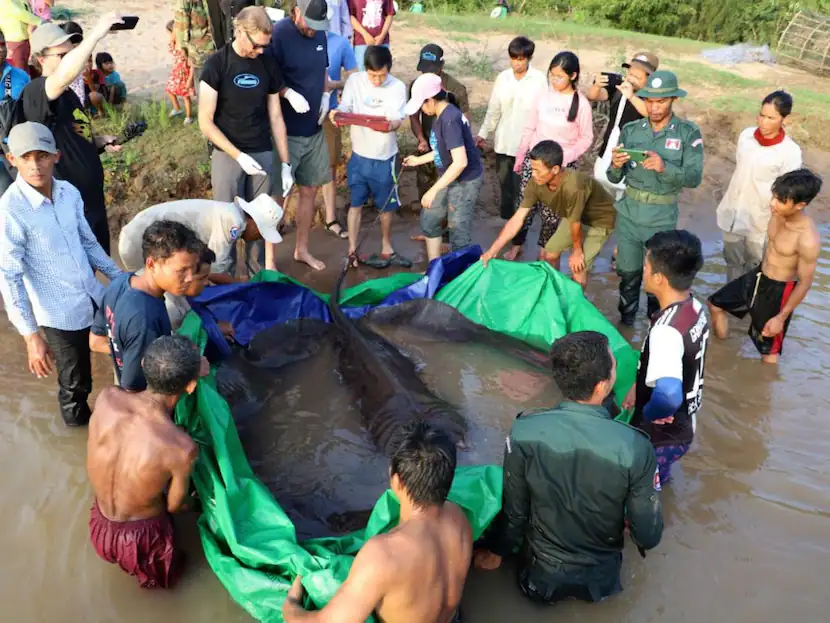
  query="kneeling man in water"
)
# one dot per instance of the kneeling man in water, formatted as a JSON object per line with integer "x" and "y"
{"x": 417, "y": 571}
{"x": 134, "y": 452}
{"x": 572, "y": 478}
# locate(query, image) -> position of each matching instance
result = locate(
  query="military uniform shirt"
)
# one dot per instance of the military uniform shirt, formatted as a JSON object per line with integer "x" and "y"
{"x": 680, "y": 145}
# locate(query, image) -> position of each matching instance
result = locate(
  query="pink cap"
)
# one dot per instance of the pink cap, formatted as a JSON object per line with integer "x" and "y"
{"x": 426, "y": 86}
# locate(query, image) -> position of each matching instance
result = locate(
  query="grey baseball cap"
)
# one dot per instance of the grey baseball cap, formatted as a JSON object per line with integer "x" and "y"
{"x": 48, "y": 35}
{"x": 315, "y": 13}
{"x": 30, "y": 136}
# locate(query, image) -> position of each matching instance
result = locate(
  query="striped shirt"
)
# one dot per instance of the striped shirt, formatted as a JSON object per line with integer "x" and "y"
{"x": 48, "y": 258}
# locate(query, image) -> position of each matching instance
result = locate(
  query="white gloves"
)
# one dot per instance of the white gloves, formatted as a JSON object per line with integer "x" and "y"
{"x": 249, "y": 165}
{"x": 287, "y": 179}
{"x": 325, "y": 104}
{"x": 297, "y": 101}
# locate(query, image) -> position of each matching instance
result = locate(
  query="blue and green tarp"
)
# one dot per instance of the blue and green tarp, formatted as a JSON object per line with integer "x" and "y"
{"x": 249, "y": 541}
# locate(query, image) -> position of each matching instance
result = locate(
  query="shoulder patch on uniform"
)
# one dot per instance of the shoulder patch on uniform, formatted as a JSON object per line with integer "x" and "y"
{"x": 697, "y": 142}
{"x": 657, "y": 485}
{"x": 234, "y": 233}
{"x": 674, "y": 144}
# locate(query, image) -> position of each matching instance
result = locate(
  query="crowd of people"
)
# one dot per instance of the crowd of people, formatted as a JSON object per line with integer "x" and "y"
{"x": 273, "y": 97}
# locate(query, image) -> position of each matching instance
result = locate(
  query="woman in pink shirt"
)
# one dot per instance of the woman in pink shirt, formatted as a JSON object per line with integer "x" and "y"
{"x": 561, "y": 114}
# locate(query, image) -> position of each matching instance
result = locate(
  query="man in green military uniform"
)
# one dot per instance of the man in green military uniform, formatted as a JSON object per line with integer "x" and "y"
{"x": 673, "y": 160}
{"x": 431, "y": 60}
{"x": 573, "y": 477}
{"x": 194, "y": 23}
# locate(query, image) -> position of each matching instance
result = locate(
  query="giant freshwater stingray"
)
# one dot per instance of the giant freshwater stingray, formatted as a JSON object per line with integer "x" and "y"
{"x": 390, "y": 391}
{"x": 319, "y": 404}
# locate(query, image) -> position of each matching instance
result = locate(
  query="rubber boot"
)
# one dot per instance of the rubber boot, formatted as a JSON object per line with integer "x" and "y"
{"x": 629, "y": 295}
{"x": 653, "y": 306}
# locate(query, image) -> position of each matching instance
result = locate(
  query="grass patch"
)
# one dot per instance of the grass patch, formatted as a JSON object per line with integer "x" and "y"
{"x": 169, "y": 161}
{"x": 541, "y": 28}
{"x": 690, "y": 72}
{"x": 477, "y": 63}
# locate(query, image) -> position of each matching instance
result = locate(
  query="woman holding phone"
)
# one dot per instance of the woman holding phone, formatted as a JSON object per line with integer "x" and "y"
{"x": 562, "y": 114}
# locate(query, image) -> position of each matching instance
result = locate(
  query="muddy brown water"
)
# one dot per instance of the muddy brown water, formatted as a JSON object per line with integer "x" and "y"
{"x": 747, "y": 533}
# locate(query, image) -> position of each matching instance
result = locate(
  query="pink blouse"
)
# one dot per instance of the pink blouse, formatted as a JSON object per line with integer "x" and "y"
{"x": 548, "y": 120}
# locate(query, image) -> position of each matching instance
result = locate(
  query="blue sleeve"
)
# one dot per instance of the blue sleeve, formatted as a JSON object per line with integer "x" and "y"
{"x": 19, "y": 80}
{"x": 99, "y": 323}
{"x": 452, "y": 132}
{"x": 138, "y": 337}
{"x": 349, "y": 60}
{"x": 665, "y": 399}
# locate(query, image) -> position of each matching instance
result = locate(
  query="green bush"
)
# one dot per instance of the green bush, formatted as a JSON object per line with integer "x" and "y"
{"x": 725, "y": 21}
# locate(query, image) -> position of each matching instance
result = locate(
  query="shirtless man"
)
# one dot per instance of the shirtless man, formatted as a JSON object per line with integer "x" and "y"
{"x": 417, "y": 571}
{"x": 139, "y": 465}
{"x": 771, "y": 293}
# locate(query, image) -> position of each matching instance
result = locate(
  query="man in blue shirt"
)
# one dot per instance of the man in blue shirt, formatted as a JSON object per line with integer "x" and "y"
{"x": 299, "y": 44}
{"x": 48, "y": 259}
{"x": 342, "y": 64}
{"x": 12, "y": 82}
{"x": 132, "y": 313}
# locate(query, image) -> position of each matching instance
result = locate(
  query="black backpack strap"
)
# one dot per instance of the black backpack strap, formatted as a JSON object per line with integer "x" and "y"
{"x": 7, "y": 84}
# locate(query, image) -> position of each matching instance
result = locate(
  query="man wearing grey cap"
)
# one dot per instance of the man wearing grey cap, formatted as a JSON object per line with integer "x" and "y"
{"x": 48, "y": 259}
{"x": 50, "y": 100}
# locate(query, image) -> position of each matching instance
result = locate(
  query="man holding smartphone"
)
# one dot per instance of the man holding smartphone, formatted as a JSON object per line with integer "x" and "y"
{"x": 657, "y": 157}
{"x": 625, "y": 107}
{"x": 50, "y": 100}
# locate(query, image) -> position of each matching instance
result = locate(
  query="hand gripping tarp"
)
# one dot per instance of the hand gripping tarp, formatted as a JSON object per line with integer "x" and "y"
{"x": 249, "y": 541}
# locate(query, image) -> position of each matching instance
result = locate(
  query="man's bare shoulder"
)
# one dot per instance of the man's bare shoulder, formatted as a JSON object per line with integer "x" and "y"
{"x": 809, "y": 239}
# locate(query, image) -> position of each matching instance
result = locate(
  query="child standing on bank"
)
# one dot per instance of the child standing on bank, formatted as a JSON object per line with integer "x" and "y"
{"x": 180, "y": 83}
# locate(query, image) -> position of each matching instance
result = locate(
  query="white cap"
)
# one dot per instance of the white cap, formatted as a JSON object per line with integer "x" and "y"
{"x": 266, "y": 214}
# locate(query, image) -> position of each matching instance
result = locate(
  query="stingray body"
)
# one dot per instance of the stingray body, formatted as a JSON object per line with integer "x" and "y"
{"x": 390, "y": 390}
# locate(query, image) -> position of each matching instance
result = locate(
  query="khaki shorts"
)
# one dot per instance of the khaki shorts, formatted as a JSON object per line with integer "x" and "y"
{"x": 593, "y": 238}
{"x": 309, "y": 160}
{"x": 335, "y": 142}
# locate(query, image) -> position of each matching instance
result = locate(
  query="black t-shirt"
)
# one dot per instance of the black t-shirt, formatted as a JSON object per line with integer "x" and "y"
{"x": 629, "y": 114}
{"x": 80, "y": 164}
{"x": 131, "y": 319}
{"x": 243, "y": 85}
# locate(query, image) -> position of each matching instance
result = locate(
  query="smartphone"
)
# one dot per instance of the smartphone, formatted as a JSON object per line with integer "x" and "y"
{"x": 636, "y": 155}
{"x": 614, "y": 80}
{"x": 130, "y": 22}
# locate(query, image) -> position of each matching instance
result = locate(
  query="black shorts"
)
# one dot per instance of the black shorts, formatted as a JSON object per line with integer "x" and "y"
{"x": 762, "y": 298}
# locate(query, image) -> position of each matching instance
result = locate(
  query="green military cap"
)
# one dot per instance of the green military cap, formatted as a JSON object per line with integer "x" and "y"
{"x": 661, "y": 84}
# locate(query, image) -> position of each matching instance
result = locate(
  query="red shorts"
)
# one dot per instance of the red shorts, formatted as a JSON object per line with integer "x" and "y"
{"x": 142, "y": 548}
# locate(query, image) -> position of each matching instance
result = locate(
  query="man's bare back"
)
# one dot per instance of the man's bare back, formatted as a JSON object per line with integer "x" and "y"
{"x": 790, "y": 241}
{"x": 133, "y": 452}
{"x": 416, "y": 572}
{"x": 426, "y": 561}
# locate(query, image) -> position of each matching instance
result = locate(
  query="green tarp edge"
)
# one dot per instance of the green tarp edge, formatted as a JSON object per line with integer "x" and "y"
{"x": 249, "y": 541}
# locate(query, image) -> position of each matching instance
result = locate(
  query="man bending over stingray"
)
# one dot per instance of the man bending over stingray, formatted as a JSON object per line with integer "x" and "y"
{"x": 417, "y": 571}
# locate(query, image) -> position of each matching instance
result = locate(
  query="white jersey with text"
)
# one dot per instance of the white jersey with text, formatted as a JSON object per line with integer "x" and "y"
{"x": 675, "y": 347}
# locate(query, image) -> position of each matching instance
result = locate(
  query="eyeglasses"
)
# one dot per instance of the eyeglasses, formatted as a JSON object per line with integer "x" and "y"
{"x": 256, "y": 46}
{"x": 57, "y": 55}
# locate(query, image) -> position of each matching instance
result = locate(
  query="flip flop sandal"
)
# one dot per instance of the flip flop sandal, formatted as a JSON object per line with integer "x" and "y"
{"x": 396, "y": 259}
{"x": 343, "y": 233}
{"x": 374, "y": 261}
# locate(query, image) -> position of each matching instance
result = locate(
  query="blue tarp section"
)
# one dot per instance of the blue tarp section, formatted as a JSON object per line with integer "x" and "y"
{"x": 252, "y": 307}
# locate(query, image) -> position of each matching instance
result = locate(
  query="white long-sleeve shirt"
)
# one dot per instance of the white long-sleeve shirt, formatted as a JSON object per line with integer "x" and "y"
{"x": 509, "y": 105}
{"x": 744, "y": 209}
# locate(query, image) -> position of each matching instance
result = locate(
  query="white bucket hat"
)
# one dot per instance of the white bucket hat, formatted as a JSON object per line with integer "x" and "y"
{"x": 266, "y": 213}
